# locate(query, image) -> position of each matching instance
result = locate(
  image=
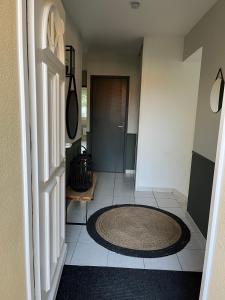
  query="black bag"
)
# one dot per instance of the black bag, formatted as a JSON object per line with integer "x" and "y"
{"x": 81, "y": 175}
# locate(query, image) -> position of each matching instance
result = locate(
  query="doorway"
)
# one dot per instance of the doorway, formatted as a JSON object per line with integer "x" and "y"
{"x": 109, "y": 107}
{"x": 220, "y": 154}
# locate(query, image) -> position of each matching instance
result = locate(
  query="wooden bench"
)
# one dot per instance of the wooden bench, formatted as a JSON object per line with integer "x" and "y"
{"x": 84, "y": 197}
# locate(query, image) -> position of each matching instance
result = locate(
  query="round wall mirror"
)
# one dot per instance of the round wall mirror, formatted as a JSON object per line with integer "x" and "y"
{"x": 216, "y": 96}
{"x": 72, "y": 110}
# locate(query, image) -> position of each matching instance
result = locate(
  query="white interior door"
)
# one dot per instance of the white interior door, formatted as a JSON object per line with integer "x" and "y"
{"x": 47, "y": 80}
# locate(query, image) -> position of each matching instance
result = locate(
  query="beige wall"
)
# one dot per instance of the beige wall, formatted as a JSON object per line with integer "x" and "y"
{"x": 168, "y": 102}
{"x": 12, "y": 276}
{"x": 209, "y": 34}
{"x": 73, "y": 37}
{"x": 118, "y": 65}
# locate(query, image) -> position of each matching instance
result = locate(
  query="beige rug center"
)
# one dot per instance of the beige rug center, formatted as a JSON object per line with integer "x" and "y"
{"x": 138, "y": 228}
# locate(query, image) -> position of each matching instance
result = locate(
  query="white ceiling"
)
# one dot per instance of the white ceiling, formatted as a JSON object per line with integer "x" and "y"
{"x": 112, "y": 24}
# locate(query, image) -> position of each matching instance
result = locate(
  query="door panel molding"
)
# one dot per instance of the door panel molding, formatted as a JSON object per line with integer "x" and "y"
{"x": 62, "y": 154}
{"x": 53, "y": 104}
{"x": 51, "y": 60}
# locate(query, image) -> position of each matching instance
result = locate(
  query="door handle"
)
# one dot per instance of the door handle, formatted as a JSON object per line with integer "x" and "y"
{"x": 120, "y": 126}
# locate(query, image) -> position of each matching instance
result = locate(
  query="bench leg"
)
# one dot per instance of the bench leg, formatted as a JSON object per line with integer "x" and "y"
{"x": 77, "y": 223}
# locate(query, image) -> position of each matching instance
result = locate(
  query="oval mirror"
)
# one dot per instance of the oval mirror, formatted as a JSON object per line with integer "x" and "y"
{"x": 216, "y": 96}
{"x": 72, "y": 112}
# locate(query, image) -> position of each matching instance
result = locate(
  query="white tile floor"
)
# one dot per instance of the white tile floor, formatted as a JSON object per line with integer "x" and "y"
{"x": 119, "y": 189}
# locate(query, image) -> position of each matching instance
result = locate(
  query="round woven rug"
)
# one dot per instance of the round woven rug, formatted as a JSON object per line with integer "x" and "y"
{"x": 138, "y": 230}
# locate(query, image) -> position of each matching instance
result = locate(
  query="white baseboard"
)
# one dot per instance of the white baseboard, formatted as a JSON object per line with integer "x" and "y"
{"x": 180, "y": 196}
{"x": 130, "y": 172}
{"x": 143, "y": 189}
{"x": 163, "y": 190}
{"x": 203, "y": 239}
{"x": 153, "y": 189}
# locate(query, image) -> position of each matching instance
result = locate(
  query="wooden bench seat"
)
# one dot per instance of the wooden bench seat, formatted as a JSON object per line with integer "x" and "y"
{"x": 81, "y": 197}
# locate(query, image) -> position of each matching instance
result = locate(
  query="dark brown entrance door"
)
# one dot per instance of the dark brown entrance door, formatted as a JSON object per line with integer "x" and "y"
{"x": 109, "y": 98}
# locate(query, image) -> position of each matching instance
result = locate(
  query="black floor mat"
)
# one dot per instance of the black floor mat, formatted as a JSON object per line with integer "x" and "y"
{"x": 79, "y": 282}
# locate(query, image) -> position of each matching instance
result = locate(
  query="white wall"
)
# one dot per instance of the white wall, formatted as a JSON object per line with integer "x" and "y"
{"x": 169, "y": 90}
{"x": 117, "y": 65}
{"x": 73, "y": 37}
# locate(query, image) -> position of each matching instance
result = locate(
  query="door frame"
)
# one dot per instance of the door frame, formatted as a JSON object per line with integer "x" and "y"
{"x": 26, "y": 162}
{"x": 216, "y": 199}
{"x": 127, "y": 78}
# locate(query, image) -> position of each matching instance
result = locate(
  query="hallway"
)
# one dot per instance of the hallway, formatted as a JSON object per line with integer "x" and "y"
{"x": 115, "y": 189}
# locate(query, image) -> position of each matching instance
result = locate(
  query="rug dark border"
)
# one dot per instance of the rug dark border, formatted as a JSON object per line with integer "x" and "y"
{"x": 178, "y": 246}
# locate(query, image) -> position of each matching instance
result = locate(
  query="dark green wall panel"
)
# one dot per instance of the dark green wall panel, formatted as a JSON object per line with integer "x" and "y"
{"x": 130, "y": 150}
{"x": 130, "y": 157}
{"x": 200, "y": 190}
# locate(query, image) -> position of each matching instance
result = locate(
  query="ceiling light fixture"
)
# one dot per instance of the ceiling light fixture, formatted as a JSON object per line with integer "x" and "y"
{"x": 135, "y": 4}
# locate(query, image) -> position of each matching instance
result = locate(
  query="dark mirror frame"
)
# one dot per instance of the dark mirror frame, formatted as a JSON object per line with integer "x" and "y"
{"x": 70, "y": 61}
{"x": 219, "y": 100}
{"x": 70, "y": 73}
{"x": 72, "y": 131}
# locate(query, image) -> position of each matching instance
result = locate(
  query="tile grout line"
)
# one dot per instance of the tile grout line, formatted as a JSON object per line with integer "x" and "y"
{"x": 75, "y": 245}
{"x": 155, "y": 199}
{"x": 114, "y": 183}
{"x": 176, "y": 253}
{"x": 179, "y": 262}
{"x": 108, "y": 258}
{"x": 144, "y": 263}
